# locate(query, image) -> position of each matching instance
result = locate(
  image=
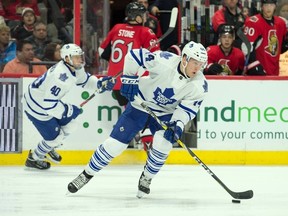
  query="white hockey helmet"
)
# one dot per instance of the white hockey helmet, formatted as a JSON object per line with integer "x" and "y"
{"x": 196, "y": 51}
{"x": 70, "y": 50}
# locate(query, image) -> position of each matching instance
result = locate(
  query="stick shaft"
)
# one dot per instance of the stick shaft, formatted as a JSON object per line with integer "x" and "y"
{"x": 172, "y": 24}
{"x": 247, "y": 43}
{"x": 236, "y": 195}
{"x": 98, "y": 90}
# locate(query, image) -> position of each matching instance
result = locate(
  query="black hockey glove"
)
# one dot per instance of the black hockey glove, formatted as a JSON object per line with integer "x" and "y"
{"x": 214, "y": 69}
{"x": 256, "y": 71}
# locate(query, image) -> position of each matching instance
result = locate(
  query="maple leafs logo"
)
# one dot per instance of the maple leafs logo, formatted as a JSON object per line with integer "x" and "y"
{"x": 63, "y": 77}
{"x": 165, "y": 55}
{"x": 165, "y": 97}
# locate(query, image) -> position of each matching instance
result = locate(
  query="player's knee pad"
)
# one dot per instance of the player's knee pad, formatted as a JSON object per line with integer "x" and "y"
{"x": 70, "y": 127}
{"x": 57, "y": 141}
{"x": 114, "y": 147}
{"x": 160, "y": 143}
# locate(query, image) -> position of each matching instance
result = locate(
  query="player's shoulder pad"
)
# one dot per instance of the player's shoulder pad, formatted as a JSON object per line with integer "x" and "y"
{"x": 211, "y": 48}
{"x": 151, "y": 31}
{"x": 253, "y": 19}
{"x": 145, "y": 30}
{"x": 281, "y": 20}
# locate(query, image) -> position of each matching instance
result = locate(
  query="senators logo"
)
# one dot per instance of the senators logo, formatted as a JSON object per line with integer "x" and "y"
{"x": 273, "y": 43}
{"x": 226, "y": 68}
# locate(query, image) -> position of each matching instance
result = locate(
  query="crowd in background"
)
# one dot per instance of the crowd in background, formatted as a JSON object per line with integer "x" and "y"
{"x": 34, "y": 23}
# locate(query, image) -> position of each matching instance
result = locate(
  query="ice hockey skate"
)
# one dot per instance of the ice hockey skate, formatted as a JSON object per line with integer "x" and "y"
{"x": 143, "y": 186}
{"x": 54, "y": 156}
{"x": 79, "y": 182}
{"x": 38, "y": 164}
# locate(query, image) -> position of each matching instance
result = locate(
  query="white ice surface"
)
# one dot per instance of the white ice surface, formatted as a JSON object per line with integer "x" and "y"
{"x": 175, "y": 191}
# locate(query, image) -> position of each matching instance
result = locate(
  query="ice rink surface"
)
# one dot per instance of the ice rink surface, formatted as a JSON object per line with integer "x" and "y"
{"x": 175, "y": 191}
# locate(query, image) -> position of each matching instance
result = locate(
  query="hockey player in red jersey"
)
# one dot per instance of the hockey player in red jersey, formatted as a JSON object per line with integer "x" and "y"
{"x": 266, "y": 33}
{"x": 224, "y": 59}
{"x": 124, "y": 37}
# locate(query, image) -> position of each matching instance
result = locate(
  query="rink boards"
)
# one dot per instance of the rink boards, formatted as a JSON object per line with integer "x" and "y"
{"x": 242, "y": 121}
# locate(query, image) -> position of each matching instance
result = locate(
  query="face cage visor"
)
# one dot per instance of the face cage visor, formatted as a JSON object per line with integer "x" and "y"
{"x": 77, "y": 61}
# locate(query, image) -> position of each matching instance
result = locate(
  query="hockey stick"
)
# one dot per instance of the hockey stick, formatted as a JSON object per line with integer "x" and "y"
{"x": 198, "y": 20}
{"x": 99, "y": 90}
{"x": 207, "y": 23}
{"x": 237, "y": 195}
{"x": 172, "y": 24}
{"x": 192, "y": 20}
{"x": 247, "y": 43}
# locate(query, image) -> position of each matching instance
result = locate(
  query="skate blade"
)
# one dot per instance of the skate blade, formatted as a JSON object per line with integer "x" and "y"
{"x": 51, "y": 160}
{"x": 140, "y": 194}
{"x": 34, "y": 169}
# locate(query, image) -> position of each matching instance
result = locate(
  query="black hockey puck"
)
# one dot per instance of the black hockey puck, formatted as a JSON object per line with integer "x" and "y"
{"x": 236, "y": 201}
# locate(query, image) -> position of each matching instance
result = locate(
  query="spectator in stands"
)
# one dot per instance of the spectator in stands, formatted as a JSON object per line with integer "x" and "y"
{"x": 53, "y": 16}
{"x": 7, "y": 46}
{"x": 14, "y": 9}
{"x": 39, "y": 39}
{"x": 224, "y": 59}
{"x": 164, "y": 19}
{"x": 24, "y": 55}
{"x": 87, "y": 28}
{"x": 266, "y": 34}
{"x": 25, "y": 28}
{"x": 52, "y": 53}
{"x": 230, "y": 14}
{"x": 152, "y": 22}
{"x": 245, "y": 12}
{"x": 282, "y": 11}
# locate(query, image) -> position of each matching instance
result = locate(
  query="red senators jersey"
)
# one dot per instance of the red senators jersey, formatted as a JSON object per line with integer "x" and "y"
{"x": 120, "y": 40}
{"x": 231, "y": 64}
{"x": 269, "y": 38}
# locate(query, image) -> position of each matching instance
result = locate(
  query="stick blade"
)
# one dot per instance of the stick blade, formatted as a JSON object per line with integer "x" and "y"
{"x": 173, "y": 19}
{"x": 172, "y": 24}
{"x": 242, "y": 195}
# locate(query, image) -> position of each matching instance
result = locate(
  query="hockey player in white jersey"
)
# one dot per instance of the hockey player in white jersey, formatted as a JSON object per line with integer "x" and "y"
{"x": 174, "y": 90}
{"x": 53, "y": 118}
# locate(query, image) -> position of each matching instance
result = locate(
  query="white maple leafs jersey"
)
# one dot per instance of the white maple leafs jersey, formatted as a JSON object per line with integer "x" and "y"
{"x": 165, "y": 90}
{"x": 43, "y": 97}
